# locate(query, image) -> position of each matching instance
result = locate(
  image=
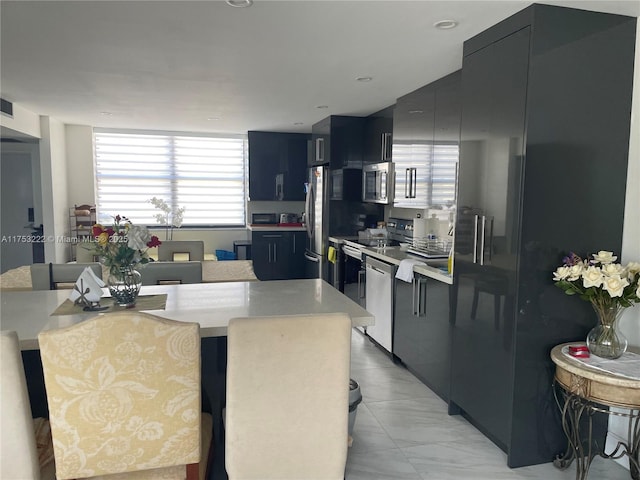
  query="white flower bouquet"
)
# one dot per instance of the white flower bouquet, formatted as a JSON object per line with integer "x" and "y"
{"x": 610, "y": 288}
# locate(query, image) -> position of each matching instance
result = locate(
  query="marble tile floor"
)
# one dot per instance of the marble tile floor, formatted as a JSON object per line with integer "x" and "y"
{"x": 402, "y": 431}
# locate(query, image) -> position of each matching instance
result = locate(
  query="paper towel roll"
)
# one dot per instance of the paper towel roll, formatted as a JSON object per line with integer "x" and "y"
{"x": 419, "y": 228}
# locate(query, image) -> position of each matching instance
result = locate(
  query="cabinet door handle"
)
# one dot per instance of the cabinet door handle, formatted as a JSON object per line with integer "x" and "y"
{"x": 275, "y": 253}
{"x": 413, "y": 297}
{"x": 294, "y": 243}
{"x": 277, "y": 235}
{"x": 414, "y": 183}
{"x": 362, "y": 275}
{"x": 422, "y": 301}
{"x": 407, "y": 184}
{"x": 269, "y": 245}
{"x": 386, "y": 147}
{"x": 319, "y": 149}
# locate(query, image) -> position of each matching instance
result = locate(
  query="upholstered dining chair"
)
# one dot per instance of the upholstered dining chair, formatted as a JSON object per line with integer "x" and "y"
{"x": 25, "y": 442}
{"x": 48, "y": 276}
{"x": 156, "y": 273}
{"x": 169, "y": 248}
{"x": 124, "y": 398}
{"x": 287, "y": 403}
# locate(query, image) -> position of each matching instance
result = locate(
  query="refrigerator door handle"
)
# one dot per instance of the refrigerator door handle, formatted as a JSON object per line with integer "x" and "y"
{"x": 307, "y": 210}
{"x": 475, "y": 239}
{"x": 482, "y": 235}
{"x": 311, "y": 259}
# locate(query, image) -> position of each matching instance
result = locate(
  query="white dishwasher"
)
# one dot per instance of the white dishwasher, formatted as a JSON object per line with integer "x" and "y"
{"x": 379, "y": 300}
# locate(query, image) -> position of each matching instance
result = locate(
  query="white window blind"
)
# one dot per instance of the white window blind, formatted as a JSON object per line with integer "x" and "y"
{"x": 203, "y": 174}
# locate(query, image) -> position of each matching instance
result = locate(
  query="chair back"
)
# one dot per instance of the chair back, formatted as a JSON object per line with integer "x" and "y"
{"x": 18, "y": 441}
{"x": 287, "y": 402}
{"x": 157, "y": 273}
{"x": 124, "y": 394}
{"x": 47, "y": 276}
{"x": 84, "y": 254}
{"x": 168, "y": 248}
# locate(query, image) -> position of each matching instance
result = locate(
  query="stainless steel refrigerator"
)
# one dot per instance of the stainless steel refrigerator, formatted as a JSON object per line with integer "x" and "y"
{"x": 316, "y": 221}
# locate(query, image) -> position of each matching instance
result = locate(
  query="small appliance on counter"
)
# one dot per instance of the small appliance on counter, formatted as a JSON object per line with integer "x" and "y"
{"x": 290, "y": 219}
{"x": 264, "y": 219}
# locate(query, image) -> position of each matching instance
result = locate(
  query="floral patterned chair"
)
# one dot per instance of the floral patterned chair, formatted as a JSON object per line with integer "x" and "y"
{"x": 287, "y": 403}
{"x": 125, "y": 398}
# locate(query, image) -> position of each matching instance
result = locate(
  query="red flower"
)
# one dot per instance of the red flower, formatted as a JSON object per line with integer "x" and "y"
{"x": 154, "y": 242}
{"x": 97, "y": 230}
{"x": 110, "y": 231}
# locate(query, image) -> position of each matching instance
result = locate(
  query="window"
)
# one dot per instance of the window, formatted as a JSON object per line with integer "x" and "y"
{"x": 204, "y": 174}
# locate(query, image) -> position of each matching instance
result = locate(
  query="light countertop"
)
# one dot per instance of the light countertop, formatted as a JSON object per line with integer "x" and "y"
{"x": 210, "y": 304}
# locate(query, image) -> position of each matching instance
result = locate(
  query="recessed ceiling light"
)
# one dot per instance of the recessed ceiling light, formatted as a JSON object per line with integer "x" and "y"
{"x": 364, "y": 79}
{"x": 106, "y": 114}
{"x": 212, "y": 119}
{"x": 322, "y": 106}
{"x": 240, "y": 3}
{"x": 415, "y": 112}
{"x": 445, "y": 24}
{"x": 298, "y": 123}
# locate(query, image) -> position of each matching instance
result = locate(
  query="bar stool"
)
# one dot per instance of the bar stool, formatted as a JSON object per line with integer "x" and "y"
{"x": 246, "y": 245}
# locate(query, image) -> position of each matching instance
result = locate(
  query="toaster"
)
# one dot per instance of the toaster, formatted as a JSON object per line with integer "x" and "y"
{"x": 289, "y": 218}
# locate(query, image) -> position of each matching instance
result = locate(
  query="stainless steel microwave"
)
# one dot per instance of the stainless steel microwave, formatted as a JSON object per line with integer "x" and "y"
{"x": 377, "y": 183}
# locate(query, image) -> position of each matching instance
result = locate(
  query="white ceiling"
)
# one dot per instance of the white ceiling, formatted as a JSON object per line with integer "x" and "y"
{"x": 203, "y": 66}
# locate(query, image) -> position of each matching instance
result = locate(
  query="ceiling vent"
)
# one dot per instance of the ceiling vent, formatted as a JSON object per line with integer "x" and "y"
{"x": 6, "y": 107}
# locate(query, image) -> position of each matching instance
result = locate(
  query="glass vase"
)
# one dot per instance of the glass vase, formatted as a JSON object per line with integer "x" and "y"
{"x": 124, "y": 285}
{"x": 605, "y": 340}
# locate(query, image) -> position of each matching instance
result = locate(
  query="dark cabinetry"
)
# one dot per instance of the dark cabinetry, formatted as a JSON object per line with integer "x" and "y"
{"x": 422, "y": 331}
{"x": 345, "y": 184}
{"x": 337, "y": 141}
{"x": 278, "y": 255}
{"x": 277, "y": 166}
{"x": 378, "y": 136}
{"x": 425, "y": 144}
{"x": 535, "y": 128}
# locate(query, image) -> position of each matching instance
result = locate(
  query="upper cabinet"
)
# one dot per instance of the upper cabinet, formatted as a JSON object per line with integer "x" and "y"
{"x": 337, "y": 141}
{"x": 277, "y": 166}
{"x": 426, "y": 127}
{"x": 378, "y": 136}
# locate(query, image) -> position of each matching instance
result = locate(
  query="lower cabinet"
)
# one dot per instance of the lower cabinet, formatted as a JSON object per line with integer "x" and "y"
{"x": 278, "y": 255}
{"x": 422, "y": 332}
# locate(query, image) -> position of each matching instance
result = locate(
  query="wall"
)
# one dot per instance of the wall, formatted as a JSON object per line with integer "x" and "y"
{"x": 53, "y": 170}
{"x": 80, "y": 177}
{"x": 630, "y": 321}
{"x": 24, "y": 121}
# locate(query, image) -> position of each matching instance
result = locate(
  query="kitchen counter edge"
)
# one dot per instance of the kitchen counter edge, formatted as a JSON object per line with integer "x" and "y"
{"x": 394, "y": 255}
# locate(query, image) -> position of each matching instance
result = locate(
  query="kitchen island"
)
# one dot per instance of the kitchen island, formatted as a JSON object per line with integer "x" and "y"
{"x": 210, "y": 304}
